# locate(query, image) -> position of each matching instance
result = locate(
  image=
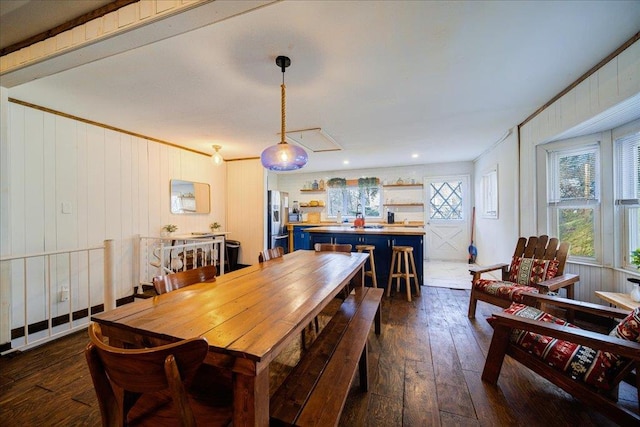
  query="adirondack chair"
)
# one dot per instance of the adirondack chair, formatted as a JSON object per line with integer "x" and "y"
{"x": 586, "y": 364}
{"x": 537, "y": 266}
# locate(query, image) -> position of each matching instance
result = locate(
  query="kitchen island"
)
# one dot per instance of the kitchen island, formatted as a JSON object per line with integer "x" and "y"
{"x": 383, "y": 238}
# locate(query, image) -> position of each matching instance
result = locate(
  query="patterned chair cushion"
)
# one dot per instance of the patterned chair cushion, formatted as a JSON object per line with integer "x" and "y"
{"x": 531, "y": 271}
{"x": 506, "y": 290}
{"x": 629, "y": 327}
{"x": 594, "y": 367}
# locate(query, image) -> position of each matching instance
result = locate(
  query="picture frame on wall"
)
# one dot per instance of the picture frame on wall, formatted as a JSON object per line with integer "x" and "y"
{"x": 490, "y": 193}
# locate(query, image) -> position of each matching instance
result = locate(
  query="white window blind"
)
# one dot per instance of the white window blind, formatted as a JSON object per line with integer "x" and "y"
{"x": 627, "y": 189}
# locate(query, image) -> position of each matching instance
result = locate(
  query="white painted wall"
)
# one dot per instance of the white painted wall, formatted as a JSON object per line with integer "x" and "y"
{"x": 496, "y": 238}
{"x": 293, "y": 183}
{"x": 116, "y": 185}
{"x": 247, "y": 207}
{"x": 614, "y": 83}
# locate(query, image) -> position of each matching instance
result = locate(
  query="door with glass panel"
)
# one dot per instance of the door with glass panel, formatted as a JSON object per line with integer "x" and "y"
{"x": 447, "y": 218}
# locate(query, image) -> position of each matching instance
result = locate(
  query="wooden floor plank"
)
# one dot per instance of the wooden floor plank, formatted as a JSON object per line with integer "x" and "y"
{"x": 420, "y": 401}
{"x": 424, "y": 369}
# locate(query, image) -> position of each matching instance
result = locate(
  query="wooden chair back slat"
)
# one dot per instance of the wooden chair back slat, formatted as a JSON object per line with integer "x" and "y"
{"x": 138, "y": 371}
{"x": 530, "y": 249}
{"x": 328, "y": 247}
{"x": 270, "y": 254}
{"x": 171, "y": 282}
{"x": 551, "y": 249}
{"x": 561, "y": 255}
{"x": 543, "y": 247}
{"x": 522, "y": 243}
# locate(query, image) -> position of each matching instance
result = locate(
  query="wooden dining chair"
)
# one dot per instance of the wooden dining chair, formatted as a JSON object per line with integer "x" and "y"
{"x": 332, "y": 247}
{"x": 153, "y": 386}
{"x": 270, "y": 254}
{"x": 335, "y": 247}
{"x": 173, "y": 281}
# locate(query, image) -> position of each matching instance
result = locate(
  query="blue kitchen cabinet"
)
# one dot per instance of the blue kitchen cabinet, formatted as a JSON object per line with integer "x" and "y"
{"x": 382, "y": 254}
{"x": 301, "y": 239}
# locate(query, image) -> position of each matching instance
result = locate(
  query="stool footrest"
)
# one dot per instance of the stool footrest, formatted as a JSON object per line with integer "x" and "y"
{"x": 403, "y": 255}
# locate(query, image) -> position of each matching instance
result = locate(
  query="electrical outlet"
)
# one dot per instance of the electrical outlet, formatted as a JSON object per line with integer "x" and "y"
{"x": 64, "y": 294}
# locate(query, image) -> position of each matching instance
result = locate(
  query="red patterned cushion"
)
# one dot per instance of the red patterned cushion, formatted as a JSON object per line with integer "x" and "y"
{"x": 505, "y": 290}
{"x": 594, "y": 367}
{"x": 531, "y": 271}
{"x": 629, "y": 327}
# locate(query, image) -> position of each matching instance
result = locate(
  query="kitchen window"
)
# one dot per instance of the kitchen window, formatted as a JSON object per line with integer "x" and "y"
{"x": 346, "y": 200}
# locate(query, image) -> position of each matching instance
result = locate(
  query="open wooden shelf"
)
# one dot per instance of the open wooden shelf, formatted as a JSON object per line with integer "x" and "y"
{"x": 312, "y": 191}
{"x": 402, "y": 185}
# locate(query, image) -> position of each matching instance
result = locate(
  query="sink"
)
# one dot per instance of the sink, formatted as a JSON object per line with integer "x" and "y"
{"x": 369, "y": 226}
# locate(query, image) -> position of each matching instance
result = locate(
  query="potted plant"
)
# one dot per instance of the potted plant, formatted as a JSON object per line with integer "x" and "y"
{"x": 337, "y": 183}
{"x": 368, "y": 182}
{"x": 168, "y": 229}
{"x": 215, "y": 226}
{"x": 635, "y": 260}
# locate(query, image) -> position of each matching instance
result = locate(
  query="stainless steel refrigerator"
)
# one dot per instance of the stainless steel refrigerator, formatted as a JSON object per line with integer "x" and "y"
{"x": 278, "y": 215}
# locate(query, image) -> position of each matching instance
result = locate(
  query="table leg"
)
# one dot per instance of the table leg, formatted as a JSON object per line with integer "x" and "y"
{"x": 251, "y": 398}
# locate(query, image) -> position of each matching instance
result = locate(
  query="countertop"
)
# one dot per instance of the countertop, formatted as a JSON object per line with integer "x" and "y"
{"x": 333, "y": 224}
{"x": 378, "y": 229}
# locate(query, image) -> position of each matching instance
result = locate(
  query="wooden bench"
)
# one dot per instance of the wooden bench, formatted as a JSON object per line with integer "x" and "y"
{"x": 315, "y": 391}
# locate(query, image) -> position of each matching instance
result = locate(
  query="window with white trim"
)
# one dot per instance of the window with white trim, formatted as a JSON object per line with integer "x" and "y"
{"x": 352, "y": 199}
{"x": 573, "y": 199}
{"x": 627, "y": 189}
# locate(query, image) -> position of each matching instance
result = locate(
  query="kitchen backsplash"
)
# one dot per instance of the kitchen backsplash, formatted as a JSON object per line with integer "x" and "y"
{"x": 294, "y": 183}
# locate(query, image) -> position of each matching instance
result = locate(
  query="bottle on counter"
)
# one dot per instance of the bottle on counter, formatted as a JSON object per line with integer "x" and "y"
{"x": 339, "y": 217}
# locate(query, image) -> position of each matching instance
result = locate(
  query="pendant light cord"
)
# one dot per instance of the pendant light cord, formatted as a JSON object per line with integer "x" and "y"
{"x": 284, "y": 114}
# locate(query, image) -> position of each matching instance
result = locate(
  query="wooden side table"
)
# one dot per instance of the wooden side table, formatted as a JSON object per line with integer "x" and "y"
{"x": 618, "y": 299}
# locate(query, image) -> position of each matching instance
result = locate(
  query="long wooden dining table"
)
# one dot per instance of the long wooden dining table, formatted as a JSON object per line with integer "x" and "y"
{"x": 248, "y": 317}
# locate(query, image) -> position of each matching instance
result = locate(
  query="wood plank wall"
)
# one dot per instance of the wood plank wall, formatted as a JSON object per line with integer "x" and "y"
{"x": 114, "y": 186}
{"x": 246, "y": 207}
{"x": 615, "y": 82}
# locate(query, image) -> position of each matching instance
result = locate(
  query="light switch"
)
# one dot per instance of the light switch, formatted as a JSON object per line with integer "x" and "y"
{"x": 66, "y": 207}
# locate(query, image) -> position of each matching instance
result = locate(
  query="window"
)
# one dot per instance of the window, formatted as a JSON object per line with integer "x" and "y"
{"x": 445, "y": 200}
{"x": 346, "y": 200}
{"x": 574, "y": 199}
{"x": 627, "y": 189}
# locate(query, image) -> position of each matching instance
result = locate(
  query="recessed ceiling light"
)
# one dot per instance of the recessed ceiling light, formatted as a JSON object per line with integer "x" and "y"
{"x": 414, "y": 156}
{"x": 346, "y": 162}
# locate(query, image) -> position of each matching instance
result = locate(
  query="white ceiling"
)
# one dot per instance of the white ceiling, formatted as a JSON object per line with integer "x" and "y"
{"x": 443, "y": 80}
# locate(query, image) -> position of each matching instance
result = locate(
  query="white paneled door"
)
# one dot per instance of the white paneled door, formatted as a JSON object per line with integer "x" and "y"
{"x": 447, "y": 218}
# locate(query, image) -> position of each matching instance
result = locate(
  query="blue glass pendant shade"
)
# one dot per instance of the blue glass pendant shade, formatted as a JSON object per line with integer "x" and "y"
{"x": 284, "y": 157}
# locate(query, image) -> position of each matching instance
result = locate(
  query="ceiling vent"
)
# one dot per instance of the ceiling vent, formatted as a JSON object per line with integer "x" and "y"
{"x": 314, "y": 139}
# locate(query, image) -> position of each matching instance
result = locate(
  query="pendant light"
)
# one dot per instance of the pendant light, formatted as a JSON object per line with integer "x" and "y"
{"x": 283, "y": 156}
{"x": 216, "y": 158}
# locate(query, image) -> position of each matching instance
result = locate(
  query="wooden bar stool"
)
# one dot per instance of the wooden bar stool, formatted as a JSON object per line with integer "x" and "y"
{"x": 398, "y": 253}
{"x": 372, "y": 271}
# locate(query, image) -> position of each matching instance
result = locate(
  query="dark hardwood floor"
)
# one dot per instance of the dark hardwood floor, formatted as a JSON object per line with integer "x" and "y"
{"x": 425, "y": 371}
